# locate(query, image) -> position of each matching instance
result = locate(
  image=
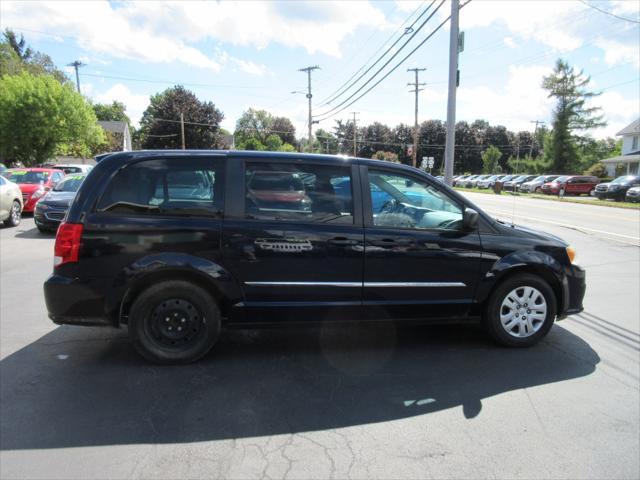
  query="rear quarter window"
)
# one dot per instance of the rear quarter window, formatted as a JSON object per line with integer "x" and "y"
{"x": 166, "y": 187}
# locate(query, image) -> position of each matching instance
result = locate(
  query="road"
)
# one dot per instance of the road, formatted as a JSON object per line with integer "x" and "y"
{"x": 386, "y": 402}
{"x": 622, "y": 225}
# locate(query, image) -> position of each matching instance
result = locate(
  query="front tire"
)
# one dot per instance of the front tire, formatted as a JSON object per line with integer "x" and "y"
{"x": 174, "y": 322}
{"x": 15, "y": 215}
{"x": 520, "y": 311}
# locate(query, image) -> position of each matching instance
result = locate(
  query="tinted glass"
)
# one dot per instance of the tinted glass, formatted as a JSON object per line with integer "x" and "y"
{"x": 311, "y": 193}
{"x": 28, "y": 177}
{"x": 401, "y": 201}
{"x": 625, "y": 179}
{"x": 170, "y": 187}
{"x": 69, "y": 183}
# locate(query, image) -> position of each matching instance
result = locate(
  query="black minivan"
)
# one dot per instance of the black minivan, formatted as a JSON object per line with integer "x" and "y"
{"x": 178, "y": 244}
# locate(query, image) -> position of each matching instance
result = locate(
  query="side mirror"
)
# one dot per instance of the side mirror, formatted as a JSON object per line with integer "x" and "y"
{"x": 470, "y": 219}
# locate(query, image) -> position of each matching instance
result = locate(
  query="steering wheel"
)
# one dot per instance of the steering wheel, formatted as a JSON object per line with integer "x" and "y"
{"x": 389, "y": 206}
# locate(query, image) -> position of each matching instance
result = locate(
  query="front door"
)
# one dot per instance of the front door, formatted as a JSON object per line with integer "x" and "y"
{"x": 294, "y": 240}
{"x": 419, "y": 261}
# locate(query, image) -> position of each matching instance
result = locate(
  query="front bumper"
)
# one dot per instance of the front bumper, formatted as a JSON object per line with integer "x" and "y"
{"x": 50, "y": 218}
{"x": 610, "y": 194}
{"x": 574, "y": 287}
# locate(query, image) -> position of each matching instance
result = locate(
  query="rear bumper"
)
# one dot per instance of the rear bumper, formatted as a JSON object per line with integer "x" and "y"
{"x": 574, "y": 287}
{"x": 74, "y": 302}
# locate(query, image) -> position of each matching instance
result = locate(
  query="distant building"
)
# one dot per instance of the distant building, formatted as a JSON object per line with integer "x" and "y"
{"x": 630, "y": 157}
{"x": 120, "y": 130}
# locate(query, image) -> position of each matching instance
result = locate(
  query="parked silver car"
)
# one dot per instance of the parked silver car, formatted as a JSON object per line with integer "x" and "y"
{"x": 10, "y": 203}
{"x": 535, "y": 185}
{"x": 488, "y": 182}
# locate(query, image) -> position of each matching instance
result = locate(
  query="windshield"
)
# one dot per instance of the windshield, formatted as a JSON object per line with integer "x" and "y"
{"x": 539, "y": 179}
{"x": 625, "y": 179}
{"x": 70, "y": 183}
{"x": 27, "y": 177}
{"x": 561, "y": 179}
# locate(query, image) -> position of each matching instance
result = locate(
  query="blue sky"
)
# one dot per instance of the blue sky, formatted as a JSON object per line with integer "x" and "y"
{"x": 247, "y": 54}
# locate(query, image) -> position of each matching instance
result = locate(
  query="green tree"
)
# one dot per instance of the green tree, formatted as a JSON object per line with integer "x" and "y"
{"x": 38, "y": 115}
{"x": 115, "y": 112}
{"x": 160, "y": 123}
{"x": 16, "y": 56}
{"x": 490, "y": 159}
{"x": 386, "y": 156}
{"x": 260, "y": 125}
{"x": 326, "y": 142}
{"x": 569, "y": 89}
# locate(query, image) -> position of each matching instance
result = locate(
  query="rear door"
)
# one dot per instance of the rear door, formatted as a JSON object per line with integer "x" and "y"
{"x": 293, "y": 237}
{"x": 419, "y": 263}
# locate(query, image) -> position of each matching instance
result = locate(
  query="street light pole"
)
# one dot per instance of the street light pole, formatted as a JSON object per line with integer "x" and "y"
{"x": 309, "y": 96}
{"x": 451, "y": 103}
{"x": 416, "y": 89}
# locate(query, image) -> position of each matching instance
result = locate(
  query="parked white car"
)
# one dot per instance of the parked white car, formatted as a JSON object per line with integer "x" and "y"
{"x": 10, "y": 203}
{"x": 535, "y": 185}
{"x": 69, "y": 168}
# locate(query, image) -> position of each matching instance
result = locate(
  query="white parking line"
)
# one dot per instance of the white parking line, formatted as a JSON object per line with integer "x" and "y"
{"x": 566, "y": 225}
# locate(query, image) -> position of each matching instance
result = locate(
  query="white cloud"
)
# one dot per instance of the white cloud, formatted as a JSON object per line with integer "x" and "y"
{"x": 619, "y": 111}
{"x": 165, "y": 32}
{"x": 553, "y": 23}
{"x": 630, "y": 8}
{"x": 509, "y": 42}
{"x": 617, "y": 52}
{"x": 136, "y": 104}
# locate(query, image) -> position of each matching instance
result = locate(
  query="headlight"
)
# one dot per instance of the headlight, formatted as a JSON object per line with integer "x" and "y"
{"x": 38, "y": 193}
{"x": 614, "y": 187}
{"x": 571, "y": 253}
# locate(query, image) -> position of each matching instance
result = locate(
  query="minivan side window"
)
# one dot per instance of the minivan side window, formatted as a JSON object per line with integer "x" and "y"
{"x": 299, "y": 192}
{"x": 402, "y": 201}
{"x": 166, "y": 187}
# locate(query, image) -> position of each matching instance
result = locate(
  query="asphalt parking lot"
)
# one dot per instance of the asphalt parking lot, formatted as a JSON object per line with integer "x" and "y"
{"x": 385, "y": 402}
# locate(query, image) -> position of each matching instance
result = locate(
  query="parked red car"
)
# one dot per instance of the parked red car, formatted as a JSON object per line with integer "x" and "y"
{"x": 33, "y": 183}
{"x": 571, "y": 185}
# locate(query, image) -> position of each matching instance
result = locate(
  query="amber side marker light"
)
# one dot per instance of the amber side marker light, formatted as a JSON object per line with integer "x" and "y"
{"x": 571, "y": 253}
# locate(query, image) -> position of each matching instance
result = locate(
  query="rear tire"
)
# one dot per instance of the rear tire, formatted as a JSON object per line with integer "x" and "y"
{"x": 15, "y": 215}
{"x": 538, "y": 190}
{"x": 520, "y": 311}
{"x": 174, "y": 322}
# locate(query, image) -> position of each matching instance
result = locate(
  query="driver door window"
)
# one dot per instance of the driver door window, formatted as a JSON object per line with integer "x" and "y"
{"x": 401, "y": 201}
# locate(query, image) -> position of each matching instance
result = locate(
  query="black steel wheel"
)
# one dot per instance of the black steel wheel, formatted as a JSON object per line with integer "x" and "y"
{"x": 174, "y": 322}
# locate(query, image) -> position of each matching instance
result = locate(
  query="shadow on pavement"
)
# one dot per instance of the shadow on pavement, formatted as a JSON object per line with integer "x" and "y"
{"x": 34, "y": 233}
{"x": 79, "y": 387}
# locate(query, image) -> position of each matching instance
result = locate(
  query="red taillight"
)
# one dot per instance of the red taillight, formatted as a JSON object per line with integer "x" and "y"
{"x": 67, "y": 243}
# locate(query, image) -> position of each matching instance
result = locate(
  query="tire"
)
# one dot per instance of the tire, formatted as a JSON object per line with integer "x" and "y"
{"x": 15, "y": 215}
{"x": 538, "y": 190}
{"x": 523, "y": 332}
{"x": 159, "y": 314}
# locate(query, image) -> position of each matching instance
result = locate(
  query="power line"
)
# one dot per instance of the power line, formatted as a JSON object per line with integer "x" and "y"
{"x": 173, "y": 82}
{"x": 384, "y": 66}
{"x": 609, "y": 13}
{"x": 350, "y": 84}
{"x": 397, "y": 65}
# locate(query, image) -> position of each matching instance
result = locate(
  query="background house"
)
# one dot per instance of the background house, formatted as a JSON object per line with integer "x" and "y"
{"x": 120, "y": 136}
{"x": 630, "y": 158}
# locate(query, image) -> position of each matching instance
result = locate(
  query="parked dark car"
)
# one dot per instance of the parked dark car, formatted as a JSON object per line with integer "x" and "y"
{"x": 51, "y": 209}
{"x": 513, "y": 185}
{"x": 177, "y": 267}
{"x": 617, "y": 190}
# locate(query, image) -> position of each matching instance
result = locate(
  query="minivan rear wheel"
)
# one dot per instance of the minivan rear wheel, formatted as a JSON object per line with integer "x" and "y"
{"x": 520, "y": 311}
{"x": 174, "y": 322}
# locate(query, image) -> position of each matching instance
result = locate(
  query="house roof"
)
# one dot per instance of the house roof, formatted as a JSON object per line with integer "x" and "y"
{"x": 633, "y": 158}
{"x": 113, "y": 126}
{"x": 633, "y": 127}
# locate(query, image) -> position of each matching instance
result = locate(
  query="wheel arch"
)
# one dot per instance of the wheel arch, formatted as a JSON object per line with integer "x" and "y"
{"x": 212, "y": 278}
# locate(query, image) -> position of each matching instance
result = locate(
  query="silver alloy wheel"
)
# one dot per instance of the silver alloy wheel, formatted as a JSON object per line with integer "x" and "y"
{"x": 523, "y": 311}
{"x": 15, "y": 213}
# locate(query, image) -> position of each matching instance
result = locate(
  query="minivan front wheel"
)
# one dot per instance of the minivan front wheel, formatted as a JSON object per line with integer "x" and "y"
{"x": 174, "y": 322}
{"x": 520, "y": 311}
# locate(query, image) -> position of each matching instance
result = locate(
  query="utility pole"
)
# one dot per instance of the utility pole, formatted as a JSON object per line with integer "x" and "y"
{"x": 355, "y": 133}
{"x": 182, "y": 129}
{"x": 76, "y": 65}
{"x": 416, "y": 89}
{"x": 309, "y": 96}
{"x": 535, "y": 130}
{"x": 451, "y": 102}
